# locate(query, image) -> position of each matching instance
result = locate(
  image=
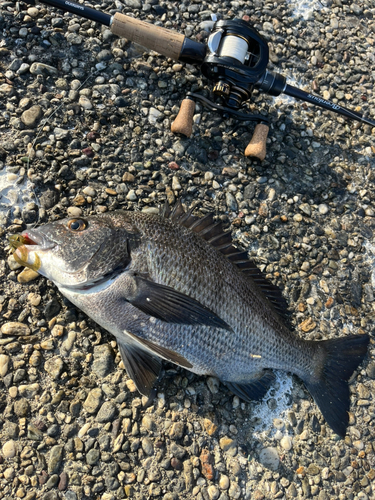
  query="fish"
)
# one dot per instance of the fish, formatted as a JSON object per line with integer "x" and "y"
{"x": 173, "y": 286}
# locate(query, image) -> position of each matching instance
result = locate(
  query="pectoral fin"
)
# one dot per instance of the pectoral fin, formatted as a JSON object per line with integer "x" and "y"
{"x": 165, "y": 303}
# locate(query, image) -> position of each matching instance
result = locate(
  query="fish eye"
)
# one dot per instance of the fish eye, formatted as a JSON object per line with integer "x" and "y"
{"x": 77, "y": 225}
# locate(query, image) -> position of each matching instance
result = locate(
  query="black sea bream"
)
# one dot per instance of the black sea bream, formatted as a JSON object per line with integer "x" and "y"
{"x": 172, "y": 286}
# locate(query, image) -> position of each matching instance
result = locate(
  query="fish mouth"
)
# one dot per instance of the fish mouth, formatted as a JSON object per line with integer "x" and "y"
{"x": 27, "y": 243}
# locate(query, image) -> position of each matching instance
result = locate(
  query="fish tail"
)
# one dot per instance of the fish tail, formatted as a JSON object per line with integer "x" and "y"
{"x": 338, "y": 358}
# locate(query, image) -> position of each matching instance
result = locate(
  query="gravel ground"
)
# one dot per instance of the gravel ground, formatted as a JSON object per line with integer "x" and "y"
{"x": 85, "y": 128}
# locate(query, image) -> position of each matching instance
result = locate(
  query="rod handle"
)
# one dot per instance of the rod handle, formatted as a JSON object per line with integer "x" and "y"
{"x": 257, "y": 145}
{"x": 183, "y": 123}
{"x": 166, "y": 42}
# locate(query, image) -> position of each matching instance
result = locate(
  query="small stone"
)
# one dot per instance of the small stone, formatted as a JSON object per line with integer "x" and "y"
{"x": 74, "y": 212}
{"x": 85, "y": 102}
{"x": 55, "y": 458}
{"x": 93, "y": 400}
{"x": 209, "y": 427}
{"x": 177, "y": 430}
{"x": 128, "y": 177}
{"x": 63, "y": 482}
{"x": 54, "y": 367}
{"x": 9, "y": 449}
{"x": 34, "y": 299}
{"x": 176, "y": 186}
{"x": 38, "y": 68}
{"x": 33, "y": 11}
{"x": 27, "y": 275}
{"x": 31, "y": 116}
{"x": 14, "y": 328}
{"x": 231, "y": 202}
{"x": 227, "y": 443}
{"x": 213, "y": 384}
{"x": 104, "y": 359}
{"x": 154, "y": 115}
{"x": 207, "y": 461}
{"x": 147, "y": 446}
{"x": 107, "y": 412}
{"x": 224, "y": 482}
{"x": 269, "y": 457}
{"x": 323, "y": 209}
{"x": 131, "y": 196}
{"x": 4, "y": 364}
{"x": 286, "y": 443}
{"x": 234, "y": 490}
{"x": 34, "y": 433}
{"x": 29, "y": 391}
{"x": 92, "y": 456}
{"x": 213, "y": 492}
{"x": 131, "y": 385}
{"x": 313, "y": 470}
{"x": 21, "y": 407}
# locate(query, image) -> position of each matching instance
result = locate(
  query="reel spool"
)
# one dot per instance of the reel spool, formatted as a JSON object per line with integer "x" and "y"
{"x": 236, "y": 60}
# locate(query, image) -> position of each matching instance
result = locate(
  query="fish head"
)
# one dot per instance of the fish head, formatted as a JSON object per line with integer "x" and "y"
{"x": 77, "y": 252}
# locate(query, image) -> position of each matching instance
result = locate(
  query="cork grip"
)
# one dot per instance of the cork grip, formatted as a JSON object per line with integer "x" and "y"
{"x": 257, "y": 145}
{"x": 183, "y": 123}
{"x": 166, "y": 42}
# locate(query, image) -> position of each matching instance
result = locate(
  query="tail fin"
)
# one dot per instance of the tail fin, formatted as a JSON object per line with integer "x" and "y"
{"x": 331, "y": 391}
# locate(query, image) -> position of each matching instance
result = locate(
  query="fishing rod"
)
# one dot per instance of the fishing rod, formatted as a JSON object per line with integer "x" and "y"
{"x": 235, "y": 59}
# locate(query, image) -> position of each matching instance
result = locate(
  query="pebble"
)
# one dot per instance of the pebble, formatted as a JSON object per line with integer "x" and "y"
{"x": 9, "y": 449}
{"x": 31, "y": 116}
{"x": 54, "y": 367}
{"x": 154, "y": 115}
{"x": 269, "y": 457}
{"x": 213, "y": 492}
{"x": 74, "y": 212}
{"x": 4, "y": 364}
{"x": 15, "y": 328}
{"x": 224, "y": 482}
{"x": 93, "y": 400}
{"x": 55, "y": 458}
{"x": 107, "y": 412}
{"x": 103, "y": 362}
{"x": 286, "y": 443}
{"x": 29, "y": 391}
{"x": 177, "y": 430}
{"x": 27, "y": 275}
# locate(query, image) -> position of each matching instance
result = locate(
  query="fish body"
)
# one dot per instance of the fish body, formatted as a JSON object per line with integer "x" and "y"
{"x": 174, "y": 287}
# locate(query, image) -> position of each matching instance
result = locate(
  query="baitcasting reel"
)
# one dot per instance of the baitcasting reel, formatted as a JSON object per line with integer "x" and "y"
{"x": 237, "y": 58}
{"x": 236, "y": 61}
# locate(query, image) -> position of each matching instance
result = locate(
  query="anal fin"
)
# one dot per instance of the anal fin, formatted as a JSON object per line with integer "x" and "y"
{"x": 254, "y": 389}
{"x": 141, "y": 366}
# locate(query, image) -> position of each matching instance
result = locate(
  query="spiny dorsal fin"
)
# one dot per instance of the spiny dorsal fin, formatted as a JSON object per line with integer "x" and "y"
{"x": 214, "y": 234}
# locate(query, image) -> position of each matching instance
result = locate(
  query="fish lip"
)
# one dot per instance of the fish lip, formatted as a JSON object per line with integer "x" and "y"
{"x": 38, "y": 240}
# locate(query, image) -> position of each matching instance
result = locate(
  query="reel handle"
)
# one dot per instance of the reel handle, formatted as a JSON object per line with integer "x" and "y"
{"x": 183, "y": 124}
{"x": 257, "y": 146}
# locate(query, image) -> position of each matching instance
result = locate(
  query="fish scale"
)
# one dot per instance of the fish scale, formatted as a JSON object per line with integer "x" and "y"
{"x": 165, "y": 292}
{"x": 228, "y": 298}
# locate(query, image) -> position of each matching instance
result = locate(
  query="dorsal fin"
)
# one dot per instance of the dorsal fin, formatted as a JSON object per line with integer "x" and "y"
{"x": 214, "y": 234}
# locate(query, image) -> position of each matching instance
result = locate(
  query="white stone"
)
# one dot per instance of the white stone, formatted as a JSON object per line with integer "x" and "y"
{"x": 9, "y": 449}
{"x": 286, "y": 443}
{"x": 4, "y": 363}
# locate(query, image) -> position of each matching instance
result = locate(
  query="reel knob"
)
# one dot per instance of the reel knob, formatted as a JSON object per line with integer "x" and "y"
{"x": 257, "y": 146}
{"x": 183, "y": 124}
